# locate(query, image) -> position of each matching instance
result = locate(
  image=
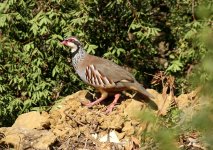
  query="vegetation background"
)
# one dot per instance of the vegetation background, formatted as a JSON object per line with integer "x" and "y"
{"x": 149, "y": 38}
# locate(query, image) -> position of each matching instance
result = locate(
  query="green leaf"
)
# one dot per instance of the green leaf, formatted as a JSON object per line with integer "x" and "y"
{"x": 91, "y": 48}
{"x": 135, "y": 26}
{"x": 175, "y": 66}
{"x": 34, "y": 29}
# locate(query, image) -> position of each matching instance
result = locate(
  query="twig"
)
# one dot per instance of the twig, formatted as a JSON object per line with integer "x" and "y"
{"x": 85, "y": 144}
{"x": 71, "y": 117}
{"x": 193, "y": 9}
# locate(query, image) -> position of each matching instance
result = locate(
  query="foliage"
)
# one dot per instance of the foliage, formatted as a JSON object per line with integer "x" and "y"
{"x": 199, "y": 120}
{"x": 147, "y": 37}
{"x": 33, "y": 68}
{"x": 203, "y": 120}
{"x": 202, "y": 76}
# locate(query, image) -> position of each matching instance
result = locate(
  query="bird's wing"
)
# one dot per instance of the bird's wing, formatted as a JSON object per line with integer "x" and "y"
{"x": 102, "y": 72}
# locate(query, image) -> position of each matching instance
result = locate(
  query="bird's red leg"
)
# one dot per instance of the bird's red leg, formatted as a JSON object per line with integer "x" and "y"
{"x": 103, "y": 97}
{"x": 111, "y": 106}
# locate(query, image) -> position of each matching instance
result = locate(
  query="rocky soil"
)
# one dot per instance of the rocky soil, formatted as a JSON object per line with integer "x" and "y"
{"x": 70, "y": 125}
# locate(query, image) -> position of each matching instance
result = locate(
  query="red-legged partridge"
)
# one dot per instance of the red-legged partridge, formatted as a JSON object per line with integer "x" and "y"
{"x": 102, "y": 74}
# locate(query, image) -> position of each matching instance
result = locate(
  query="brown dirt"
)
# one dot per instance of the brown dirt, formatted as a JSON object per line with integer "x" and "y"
{"x": 70, "y": 125}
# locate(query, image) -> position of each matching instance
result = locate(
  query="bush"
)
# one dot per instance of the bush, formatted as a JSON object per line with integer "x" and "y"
{"x": 146, "y": 37}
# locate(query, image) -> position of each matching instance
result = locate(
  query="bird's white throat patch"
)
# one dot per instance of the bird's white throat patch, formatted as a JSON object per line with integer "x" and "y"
{"x": 73, "y": 46}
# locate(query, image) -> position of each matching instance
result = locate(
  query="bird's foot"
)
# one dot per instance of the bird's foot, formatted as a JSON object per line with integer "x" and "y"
{"x": 90, "y": 104}
{"x": 95, "y": 102}
{"x": 112, "y": 105}
{"x": 104, "y": 95}
{"x": 109, "y": 109}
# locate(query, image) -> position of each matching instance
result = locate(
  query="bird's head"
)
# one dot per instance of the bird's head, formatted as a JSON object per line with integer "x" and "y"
{"x": 73, "y": 43}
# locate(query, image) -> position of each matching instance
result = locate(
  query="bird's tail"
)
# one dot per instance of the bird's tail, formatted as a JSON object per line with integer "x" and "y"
{"x": 139, "y": 88}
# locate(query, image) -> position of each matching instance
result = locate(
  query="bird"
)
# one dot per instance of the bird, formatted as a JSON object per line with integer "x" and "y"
{"x": 104, "y": 75}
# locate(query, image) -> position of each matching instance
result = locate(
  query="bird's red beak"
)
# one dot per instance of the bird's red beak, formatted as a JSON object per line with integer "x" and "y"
{"x": 63, "y": 42}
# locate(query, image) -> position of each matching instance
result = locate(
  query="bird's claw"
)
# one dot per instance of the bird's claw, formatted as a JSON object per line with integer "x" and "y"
{"x": 109, "y": 109}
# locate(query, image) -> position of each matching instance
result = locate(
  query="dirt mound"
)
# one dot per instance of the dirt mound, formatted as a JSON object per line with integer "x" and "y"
{"x": 69, "y": 125}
